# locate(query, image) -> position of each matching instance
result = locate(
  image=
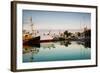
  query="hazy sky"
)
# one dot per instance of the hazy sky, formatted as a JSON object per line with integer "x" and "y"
{"x": 56, "y": 20}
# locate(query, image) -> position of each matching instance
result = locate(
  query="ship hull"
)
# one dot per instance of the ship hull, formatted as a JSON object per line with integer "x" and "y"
{"x": 32, "y": 42}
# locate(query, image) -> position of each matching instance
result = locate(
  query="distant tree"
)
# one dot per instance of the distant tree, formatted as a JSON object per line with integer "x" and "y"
{"x": 87, "y": 33}
{"x": 78, "y": 34}
{"x": 66, "y": 33}
{"x": 69, "y": 34}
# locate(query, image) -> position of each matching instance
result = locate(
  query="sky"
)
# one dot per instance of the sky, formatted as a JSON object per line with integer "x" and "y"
{"x": 56, "y": 20}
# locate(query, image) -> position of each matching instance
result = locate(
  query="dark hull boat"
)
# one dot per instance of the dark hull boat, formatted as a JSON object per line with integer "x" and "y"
{"x": 35, "y": 41}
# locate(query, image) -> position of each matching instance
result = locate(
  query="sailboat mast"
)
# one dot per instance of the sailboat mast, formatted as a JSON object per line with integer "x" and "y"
{"x": 31, "y": 25}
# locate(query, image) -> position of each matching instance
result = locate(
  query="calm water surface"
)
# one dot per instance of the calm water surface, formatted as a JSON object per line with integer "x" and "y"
{"x": 57, "y": 51}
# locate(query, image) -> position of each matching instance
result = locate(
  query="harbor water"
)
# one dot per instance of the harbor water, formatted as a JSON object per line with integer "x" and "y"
{"x": 57, "y": 51}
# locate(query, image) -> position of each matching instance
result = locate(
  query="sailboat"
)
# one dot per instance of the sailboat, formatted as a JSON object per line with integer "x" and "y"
{"x": 31, "y": 38}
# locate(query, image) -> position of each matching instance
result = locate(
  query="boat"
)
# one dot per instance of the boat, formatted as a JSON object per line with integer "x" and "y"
{"x": 30, "y": 38}
{"x": 35, "y": 41}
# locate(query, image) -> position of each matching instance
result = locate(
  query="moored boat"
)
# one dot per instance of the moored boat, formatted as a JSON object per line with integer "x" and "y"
{"x": 31, "y": 38}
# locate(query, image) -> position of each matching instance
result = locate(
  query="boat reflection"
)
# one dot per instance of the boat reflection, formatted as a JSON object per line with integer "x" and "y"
{"x": 32, "y": 50}
{"x": 27, "y": 49}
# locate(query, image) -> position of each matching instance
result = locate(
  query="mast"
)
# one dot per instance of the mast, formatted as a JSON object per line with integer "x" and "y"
{"x": 32, "y": 26}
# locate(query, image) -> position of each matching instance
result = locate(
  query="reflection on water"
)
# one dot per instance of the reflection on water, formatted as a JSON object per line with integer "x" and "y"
{"x": 86, "y": 44}
{"x": 57, "y": 51}
{"x": 66, "y": 43}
